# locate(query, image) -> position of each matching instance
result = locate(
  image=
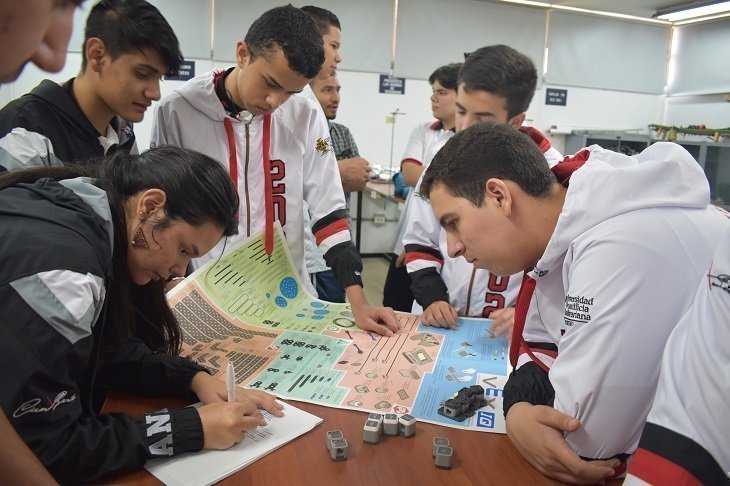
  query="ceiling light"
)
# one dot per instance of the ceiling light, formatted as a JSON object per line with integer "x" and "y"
{"x": 691, "y": 10}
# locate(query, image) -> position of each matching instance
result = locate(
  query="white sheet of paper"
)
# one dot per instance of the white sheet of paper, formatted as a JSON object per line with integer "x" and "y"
{"x": 207, "y": 467}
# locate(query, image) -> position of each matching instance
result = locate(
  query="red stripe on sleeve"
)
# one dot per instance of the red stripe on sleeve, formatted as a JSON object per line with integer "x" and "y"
{"x": 655, "y": 469}
{"x": 331, "y": 229}
{"x": 411, "y": 161}
{"x": 412, "y": 256}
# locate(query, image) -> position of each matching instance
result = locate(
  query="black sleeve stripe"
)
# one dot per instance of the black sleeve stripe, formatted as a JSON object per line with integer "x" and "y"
{"x": 684, "y": 452}
{"x": 428, "y": 287}
{"x": 346, "y": 264}
{"x": 543, "y": 346}
{"x": 329, "y": 219}
{"x": 412, "y": 247}
{"x": 529, "y": 383}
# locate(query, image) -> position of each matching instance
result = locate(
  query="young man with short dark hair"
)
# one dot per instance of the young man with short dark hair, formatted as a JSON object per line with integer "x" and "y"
{"x": 423, "y": 143}
{"x": 276, "y": 146}
{"x": 128, "y": 47}
{"x": 354, "y": 170}
{"x": 613, "y": 248}
{"x": 496, "y": 85}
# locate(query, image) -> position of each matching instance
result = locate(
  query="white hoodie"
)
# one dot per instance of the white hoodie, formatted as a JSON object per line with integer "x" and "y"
{"x": 687, "y": 430}
{"x": 472, "y": 291}
{"x": 634, "y": 238}
{"x": 303, "y": 164}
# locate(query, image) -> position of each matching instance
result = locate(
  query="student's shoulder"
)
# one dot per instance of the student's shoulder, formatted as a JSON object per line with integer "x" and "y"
{"x": 299, "y": 117}
{"x": 29, "y": 113}
{"x": 338, "y": 127}
{"x": 423, "y": 128}
{"x": 194, "y": 91}
{"x": 23, "y": 107}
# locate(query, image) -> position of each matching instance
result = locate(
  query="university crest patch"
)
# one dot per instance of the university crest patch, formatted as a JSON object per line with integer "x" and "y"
{"x": 323, "y": 145}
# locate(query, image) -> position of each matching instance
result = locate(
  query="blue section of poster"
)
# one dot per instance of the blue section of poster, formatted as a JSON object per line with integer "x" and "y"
{"x": 469, "y": 356}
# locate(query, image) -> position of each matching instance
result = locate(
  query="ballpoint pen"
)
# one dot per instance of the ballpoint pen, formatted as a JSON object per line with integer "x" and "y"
{"x": 231, "y": 382}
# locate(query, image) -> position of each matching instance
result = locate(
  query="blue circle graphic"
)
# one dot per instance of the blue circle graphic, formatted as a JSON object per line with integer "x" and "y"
{"x": 280, "y": 301}
{"x": 317, "y": 318}
{"x": 288, "y": 287}
{"x": 317, "y": 304}
{"x": 322, "y": 311}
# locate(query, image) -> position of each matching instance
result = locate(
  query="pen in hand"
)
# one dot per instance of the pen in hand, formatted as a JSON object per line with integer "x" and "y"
{"x": 231, "y": 382}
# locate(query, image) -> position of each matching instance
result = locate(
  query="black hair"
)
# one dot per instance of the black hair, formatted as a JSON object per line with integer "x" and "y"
{"x": 485, "y": 151}
{"x": 128, "y": 26}
{"x": 447, "y": 76}
{"x": 323, "y": 18}
{"x": 198, "y": 190}
{"x": 503, "y": 71}
{"x": 292, "y": 30}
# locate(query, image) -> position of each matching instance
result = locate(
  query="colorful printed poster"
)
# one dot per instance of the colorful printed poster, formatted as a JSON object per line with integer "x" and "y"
{"x": 251, "y": 309}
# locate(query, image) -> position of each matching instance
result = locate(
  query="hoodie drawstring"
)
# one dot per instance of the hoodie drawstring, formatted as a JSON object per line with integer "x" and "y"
{"x": 523, "y": 303}
{"x": 268, "y": 200}
{"x": 232, "y": 157}
{"x": 233, "y": 172}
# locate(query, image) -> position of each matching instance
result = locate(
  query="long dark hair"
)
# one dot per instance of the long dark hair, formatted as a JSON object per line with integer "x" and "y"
{"x": 198, "y": 190}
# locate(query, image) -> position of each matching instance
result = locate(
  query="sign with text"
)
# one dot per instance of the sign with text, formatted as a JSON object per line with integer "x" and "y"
{"x": 392, "y": 85}
{"x": 555, "y": 96}
{"x": 186, "y": 72}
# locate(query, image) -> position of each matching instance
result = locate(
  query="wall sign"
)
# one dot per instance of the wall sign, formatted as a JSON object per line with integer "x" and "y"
{"x": 392, "y": 85}
{"x": 186, "y": 72}
{"x": 555, "y": 96}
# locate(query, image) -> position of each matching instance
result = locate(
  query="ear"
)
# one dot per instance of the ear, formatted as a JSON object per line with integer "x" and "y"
{"x": 243, "y": 54}
{"x": 94, "y": 50}
{"x": 517, "y": 120}
{"x": 498, "y": 195}
{"x": 150, "y": 202}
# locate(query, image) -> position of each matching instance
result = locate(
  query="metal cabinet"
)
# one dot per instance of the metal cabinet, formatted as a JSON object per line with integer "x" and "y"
{"x": 713, "y": 157}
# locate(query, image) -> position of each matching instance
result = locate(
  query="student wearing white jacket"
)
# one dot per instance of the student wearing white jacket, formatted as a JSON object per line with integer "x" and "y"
{"x": 276, "y": 146}
{"x": 685, "y": 439}
{"x": 495, "y": 85}
{"x": 614, "y": 248}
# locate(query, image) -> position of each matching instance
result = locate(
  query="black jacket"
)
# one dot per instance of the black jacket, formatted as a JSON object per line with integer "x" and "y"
{"x": 55, "y": 267}
{"x": 51, "y": 111}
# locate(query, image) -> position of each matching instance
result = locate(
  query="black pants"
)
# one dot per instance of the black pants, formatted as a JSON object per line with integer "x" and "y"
{"x": 397, "y": 290}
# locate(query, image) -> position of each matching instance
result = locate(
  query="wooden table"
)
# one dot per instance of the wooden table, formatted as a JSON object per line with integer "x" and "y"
{"x": 479, "y": 458}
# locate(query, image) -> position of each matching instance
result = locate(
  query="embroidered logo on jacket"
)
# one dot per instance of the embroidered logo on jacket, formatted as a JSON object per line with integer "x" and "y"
{"x": 323, "y": 145}
{"x": 577, "y": 310}
{"x": 34, "y": 405}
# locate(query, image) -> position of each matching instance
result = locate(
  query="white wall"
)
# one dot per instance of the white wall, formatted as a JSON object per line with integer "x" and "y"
{"x": 712, "y": 110}
{"x": 364, "y": 110}
{"x": 588, "y": 108}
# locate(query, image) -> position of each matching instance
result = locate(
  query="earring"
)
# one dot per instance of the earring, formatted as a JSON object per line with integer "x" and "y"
{"x": 139, "y": 240}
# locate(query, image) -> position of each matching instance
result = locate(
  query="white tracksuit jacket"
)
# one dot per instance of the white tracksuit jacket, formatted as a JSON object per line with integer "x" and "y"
{"x": 687, "y": 435}
{"x": 303, "y": 166}
{"x": 425, "y": 141}
{"x": 471, "y": 291}
{"x": 634, "y": 238}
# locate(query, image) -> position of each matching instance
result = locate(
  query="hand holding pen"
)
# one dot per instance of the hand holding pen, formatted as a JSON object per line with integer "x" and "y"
{"x": 229, "y": 411}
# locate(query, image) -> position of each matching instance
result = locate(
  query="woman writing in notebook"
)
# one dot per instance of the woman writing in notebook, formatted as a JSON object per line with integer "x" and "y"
{"x": 83, "y": 263}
